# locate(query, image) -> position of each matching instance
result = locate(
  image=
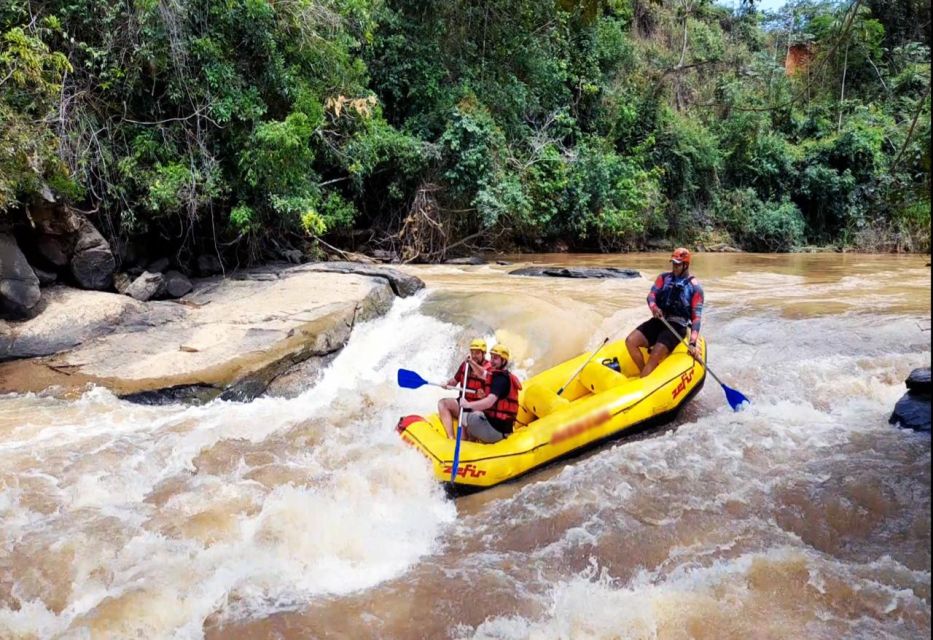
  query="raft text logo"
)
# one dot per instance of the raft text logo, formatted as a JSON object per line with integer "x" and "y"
{"x": 685, "y": 379}
{"x": 466, "y": 470}
{"x": 579, "y": 426}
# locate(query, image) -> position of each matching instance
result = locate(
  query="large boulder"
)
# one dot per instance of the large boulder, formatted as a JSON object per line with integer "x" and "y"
{"x": 913, "y": 409}
{"x": 176, "y": 284}
{"x": 402, "y": 284}
{"x": 230, "y": 337}
{"x": 55, "y": 250}
{"x": 92, "y": 264}
{"x": 19, "y": 286}
{"x": 577, "y": 272}
{"x": 919, "y": 381}
{"x": 146, "y": 287}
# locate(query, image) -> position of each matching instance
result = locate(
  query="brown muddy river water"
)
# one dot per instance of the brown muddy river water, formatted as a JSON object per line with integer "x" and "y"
{"x": 805, "y": 516}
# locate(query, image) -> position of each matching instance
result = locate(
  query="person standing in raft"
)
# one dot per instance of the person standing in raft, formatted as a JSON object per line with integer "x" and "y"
{"x": 477, "y": 380}
{"x": 490, "y": 419}
{"x": 677, "y": 297}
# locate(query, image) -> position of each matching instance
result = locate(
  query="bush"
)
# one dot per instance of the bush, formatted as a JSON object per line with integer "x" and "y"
{"x": 760, "y": 226}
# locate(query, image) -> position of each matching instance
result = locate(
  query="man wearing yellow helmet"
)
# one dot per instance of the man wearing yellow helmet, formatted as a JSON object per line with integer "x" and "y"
{"x": 476, "y": 382}
{"x": 678, "y": 298}
{"x": 490, "y": 419}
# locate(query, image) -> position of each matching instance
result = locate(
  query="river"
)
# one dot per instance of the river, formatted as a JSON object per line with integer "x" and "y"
{"x": 805, "y": 516}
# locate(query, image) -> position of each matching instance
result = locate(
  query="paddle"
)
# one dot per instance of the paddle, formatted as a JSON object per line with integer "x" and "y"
{"x": 456, "y": 462}
{"x": 411, "y": 380}
{"x": 593, "y": 355}
{"x": 735, "y": 398}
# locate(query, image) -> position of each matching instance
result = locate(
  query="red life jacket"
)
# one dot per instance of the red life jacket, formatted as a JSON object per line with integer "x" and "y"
{"x": 506, "y": 409}
{"x": 479, "y": 385}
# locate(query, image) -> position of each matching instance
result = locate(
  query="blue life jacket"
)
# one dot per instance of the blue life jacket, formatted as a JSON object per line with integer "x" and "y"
{"x": 674, "y": 298}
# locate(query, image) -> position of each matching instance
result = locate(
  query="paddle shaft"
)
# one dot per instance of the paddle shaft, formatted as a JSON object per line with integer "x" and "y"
{"x": 456, "y": 462}
{"x": 593, "y": 355}
{"x": 687, "y": 342}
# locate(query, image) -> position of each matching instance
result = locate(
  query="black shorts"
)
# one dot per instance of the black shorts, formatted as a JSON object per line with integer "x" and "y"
{"x": 655, "y": 332}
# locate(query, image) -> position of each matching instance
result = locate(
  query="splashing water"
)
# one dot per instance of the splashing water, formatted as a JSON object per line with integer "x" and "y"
{"x": 805, "y": 515}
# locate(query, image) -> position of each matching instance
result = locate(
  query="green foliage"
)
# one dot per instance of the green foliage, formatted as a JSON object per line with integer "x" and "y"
{"x": 30, "y": 79}
{"x": 599, "y": 124}
{"x": 760, "y": 226}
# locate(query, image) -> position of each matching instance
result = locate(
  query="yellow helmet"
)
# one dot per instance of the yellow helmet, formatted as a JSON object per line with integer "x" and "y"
{"x": 478, "y": 343}
{"x": 501, "y": 350}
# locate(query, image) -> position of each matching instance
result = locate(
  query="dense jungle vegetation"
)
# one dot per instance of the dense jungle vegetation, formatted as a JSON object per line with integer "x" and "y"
{"x": 424, "y": 129}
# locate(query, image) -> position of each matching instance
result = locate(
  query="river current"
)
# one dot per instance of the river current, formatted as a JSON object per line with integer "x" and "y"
{"x": 805, "y": 516}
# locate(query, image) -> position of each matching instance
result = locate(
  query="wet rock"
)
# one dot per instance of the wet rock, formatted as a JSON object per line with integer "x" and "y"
{"x": 19, "y": 286}
{"x": 467, "y": 260}
{"x": 146, "y": 287}
{"x": 45, "y": 277}
{"x": 176, "y": 284}
{"x": 913, "y": 409}
{"x": 402, "y": 284}
{"x": 189, "y": 393}
{"x": 577, "y": 272}
{"x": 300, "y": 377}
{"x": 209, "y": 265}
{"x": 919, "y": 380}
{"x": 93, "y": 263}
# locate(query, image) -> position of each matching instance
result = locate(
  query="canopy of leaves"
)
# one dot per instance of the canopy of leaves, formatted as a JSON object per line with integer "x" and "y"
{"x": 601, "y": 125}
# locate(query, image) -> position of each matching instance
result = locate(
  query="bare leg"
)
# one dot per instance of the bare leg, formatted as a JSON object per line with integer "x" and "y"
{"x": 635, "y": 340}
{"x": 658, "y": 353}
{"x": 446, "y": 407}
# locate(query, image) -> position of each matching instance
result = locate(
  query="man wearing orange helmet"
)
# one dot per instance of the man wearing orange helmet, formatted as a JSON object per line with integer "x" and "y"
{"x": 677, "y": 297}
{"x": 491, "y": 418}
{"x": 476, "y": 382}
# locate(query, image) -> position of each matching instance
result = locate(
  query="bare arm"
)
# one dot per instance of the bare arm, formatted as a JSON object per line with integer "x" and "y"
{"x": 479, "y": 405}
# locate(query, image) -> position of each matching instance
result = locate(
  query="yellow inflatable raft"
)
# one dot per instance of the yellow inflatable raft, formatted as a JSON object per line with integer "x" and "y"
{"x": 599, "y": 404}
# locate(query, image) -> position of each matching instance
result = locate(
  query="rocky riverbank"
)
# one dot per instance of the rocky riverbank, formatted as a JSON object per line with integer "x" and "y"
{"x": 234, "y": 337}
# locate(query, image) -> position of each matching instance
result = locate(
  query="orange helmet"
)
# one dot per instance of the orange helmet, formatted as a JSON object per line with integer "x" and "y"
{"x": 680, "y": 255}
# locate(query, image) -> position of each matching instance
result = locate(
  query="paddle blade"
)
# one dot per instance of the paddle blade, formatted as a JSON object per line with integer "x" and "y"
{"x": 410, "y": 379}
{"x": 735, "y": 398}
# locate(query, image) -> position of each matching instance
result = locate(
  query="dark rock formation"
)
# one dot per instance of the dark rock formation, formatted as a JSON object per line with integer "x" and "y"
{"x": 577, "y": 272}
{"x": 45, "y": 277}
{"x": 93, "y": 263}
{"x": 19, "y": 286}
{"x": 913, "y": 409}
{"x": 176, "y": 284}
{"x": 919, "y": 381}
